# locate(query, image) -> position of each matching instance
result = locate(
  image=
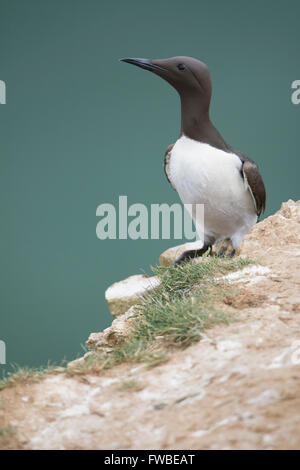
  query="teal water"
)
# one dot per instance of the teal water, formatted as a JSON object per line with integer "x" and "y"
{"x": 80, "y": 128}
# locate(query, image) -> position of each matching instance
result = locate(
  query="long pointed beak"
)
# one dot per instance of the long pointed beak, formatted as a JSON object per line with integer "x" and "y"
{"x": 144, "y": 64}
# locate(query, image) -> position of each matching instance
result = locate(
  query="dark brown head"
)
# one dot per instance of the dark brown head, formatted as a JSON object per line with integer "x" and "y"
{"x": 190, "y": 77}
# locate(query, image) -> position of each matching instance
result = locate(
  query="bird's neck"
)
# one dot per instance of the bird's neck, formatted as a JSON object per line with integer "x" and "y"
{"x": 196, "y": 123}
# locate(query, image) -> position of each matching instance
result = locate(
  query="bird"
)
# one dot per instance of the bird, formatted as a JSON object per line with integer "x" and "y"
{"x": 201, "y": 166}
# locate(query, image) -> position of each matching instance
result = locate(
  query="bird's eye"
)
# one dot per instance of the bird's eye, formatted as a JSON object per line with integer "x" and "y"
{"x": 181, "y": 66}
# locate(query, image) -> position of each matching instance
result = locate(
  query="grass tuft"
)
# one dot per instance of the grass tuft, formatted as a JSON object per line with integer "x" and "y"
{"x": 129, "y": 386}
{"x": 25, "y": 375}
{"x": 174, "y": 314}
{"x": 7, "y": 431}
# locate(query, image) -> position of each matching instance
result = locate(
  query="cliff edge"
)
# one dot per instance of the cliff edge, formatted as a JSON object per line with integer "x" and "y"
{"x": 236, "y": 388}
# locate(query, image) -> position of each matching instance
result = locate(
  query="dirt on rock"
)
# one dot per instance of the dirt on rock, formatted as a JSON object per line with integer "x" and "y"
{"x": 238, "y": 388}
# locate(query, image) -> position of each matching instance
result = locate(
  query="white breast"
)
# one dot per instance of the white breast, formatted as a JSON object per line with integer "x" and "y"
{"x": 202, "y": 174}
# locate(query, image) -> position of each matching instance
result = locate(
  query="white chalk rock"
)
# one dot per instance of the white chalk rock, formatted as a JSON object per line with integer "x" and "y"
{"x": 122, "y": 295}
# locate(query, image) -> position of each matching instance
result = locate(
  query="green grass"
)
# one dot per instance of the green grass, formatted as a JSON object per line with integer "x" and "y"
{"x": 177, "y": 311}
{"x": 7, "y": 431}
{"x": 129, "y": 386}
{"x": 25, "y": 375}
{"x": 174, "y": 315}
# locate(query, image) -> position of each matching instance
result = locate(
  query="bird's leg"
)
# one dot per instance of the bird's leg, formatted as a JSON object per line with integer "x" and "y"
{"x": 189, "y": 254}
{"x": 222, "y": 251}
{"x": 226, "y": 249}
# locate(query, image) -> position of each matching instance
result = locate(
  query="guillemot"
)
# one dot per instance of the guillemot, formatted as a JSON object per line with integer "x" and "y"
{"x": 201, "y": 166}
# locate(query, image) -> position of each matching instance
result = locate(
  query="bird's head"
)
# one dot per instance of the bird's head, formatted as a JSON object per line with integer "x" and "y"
{"x": 190, "y": 77}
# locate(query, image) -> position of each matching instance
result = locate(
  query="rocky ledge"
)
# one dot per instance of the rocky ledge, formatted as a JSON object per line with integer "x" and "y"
{"x": 238, "y": 388}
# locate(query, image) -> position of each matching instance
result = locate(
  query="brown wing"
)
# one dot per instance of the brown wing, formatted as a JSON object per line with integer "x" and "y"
{"x": 166, "y": 161}
{"x": 255, "y": 184}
